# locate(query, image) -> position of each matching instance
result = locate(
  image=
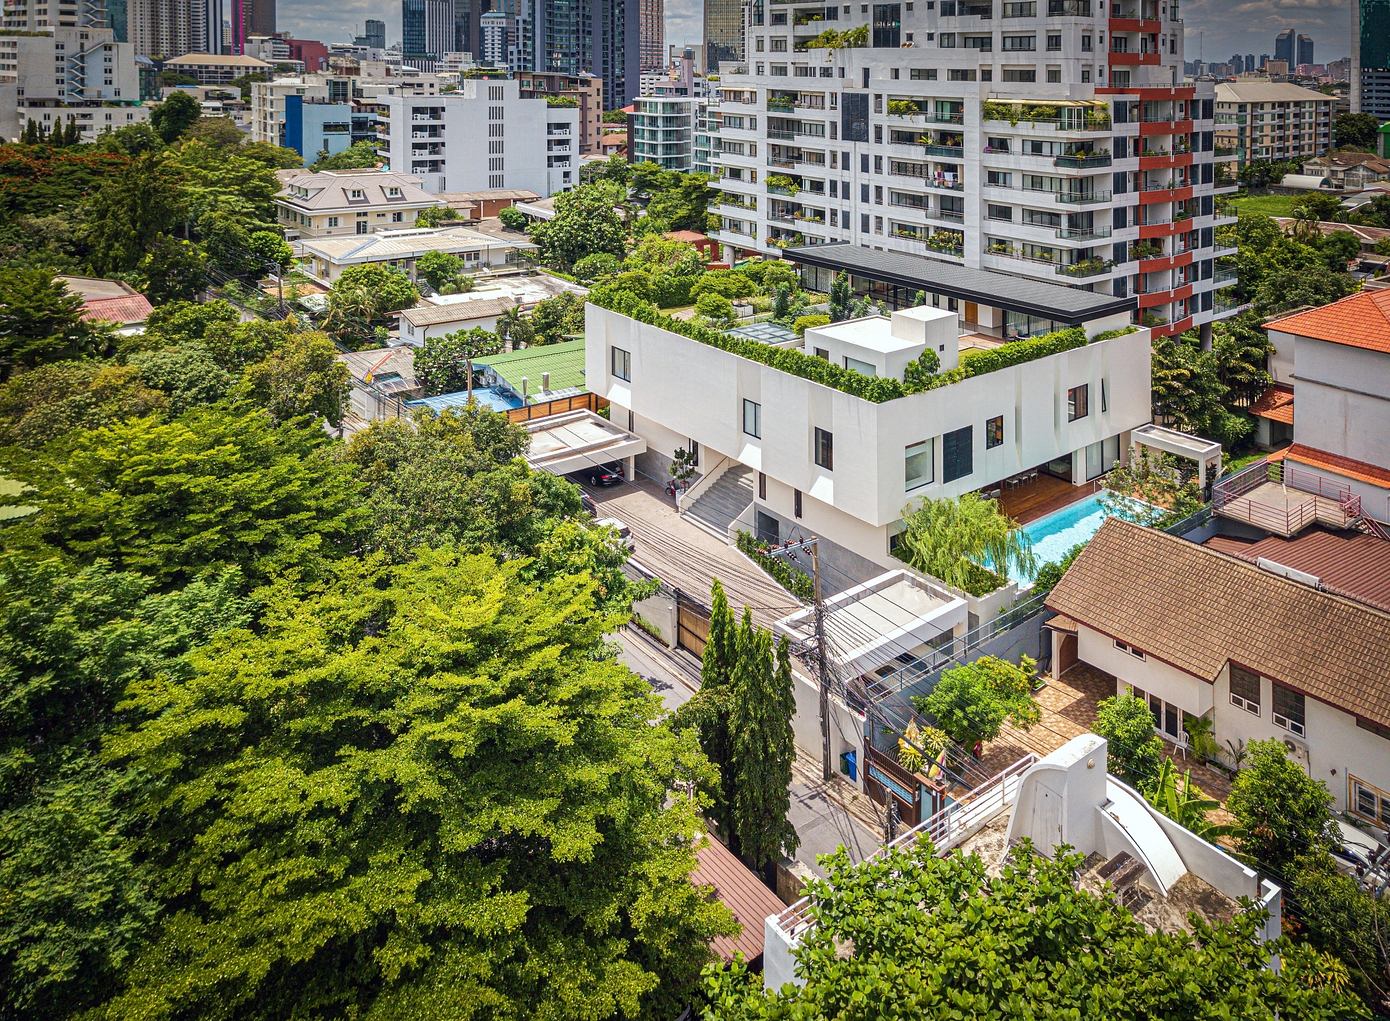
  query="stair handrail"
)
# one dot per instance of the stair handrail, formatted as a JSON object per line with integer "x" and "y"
{"x": 686, "y": 497}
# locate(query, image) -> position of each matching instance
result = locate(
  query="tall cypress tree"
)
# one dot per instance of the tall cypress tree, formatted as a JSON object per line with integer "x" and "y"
{"x": 760, "y": 721}
{"x": 710, "y": 706}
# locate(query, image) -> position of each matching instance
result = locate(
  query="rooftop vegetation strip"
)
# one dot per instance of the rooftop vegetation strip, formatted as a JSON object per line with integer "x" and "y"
{"x": 876, "y": 389}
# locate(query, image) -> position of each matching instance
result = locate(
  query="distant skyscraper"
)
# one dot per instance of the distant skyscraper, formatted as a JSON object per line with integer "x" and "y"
{"x": 171, "y": 28}
{"x": 1305, "y": 49}
{"x": 601, "y": 37}
{"x": 1237, "y": 63}
{"x": 1285, "y": 46}
{"x": 1250, "y": 64}
{"x": 428, "y": 31}
{"x": 723, "y": 32}
{"x": 1370, "y": 58}
{"x": 653, "y": 34}
{"x": 375, "y": 34}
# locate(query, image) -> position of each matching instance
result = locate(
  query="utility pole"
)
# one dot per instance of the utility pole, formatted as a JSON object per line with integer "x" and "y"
{"x": 812, "y": 547}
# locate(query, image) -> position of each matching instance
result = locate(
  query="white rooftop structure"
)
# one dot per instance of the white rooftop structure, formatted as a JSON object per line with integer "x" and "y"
{"x": 1162, "y": 872}
{"x": 884, "y": 345}
{"x": 579, "y": 441}
{"x": 1207, "y": 453}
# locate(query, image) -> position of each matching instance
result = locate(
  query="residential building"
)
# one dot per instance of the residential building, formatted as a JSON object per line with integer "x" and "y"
{"x": 427, "y": 32}
{"x": 1257, "y": 649}
{"x": 1067, "y": 415}
{"x": 584, "y": 88}
{"x": 325, "y": 258}
{"x": 663, "y": 131}
{"x": 1057, "y": 142}
{"x": 1163, "y": 873}
{"x": 1370, "y": 58}
{"x": 282, "y": 49}
{"x": 60, "y": 71}
{"x": 601, "y": 37}
{"x": 110, "y": 301}
{"x": 481, "y": 306}
{"x": 337, "y": 202}
{"x": 166, "y": 28}
{"x": 678, "y": 77}
{"x": 723, "y": 33}
{"x": 652, "y": 33}
{"x": 488, "y": 202}
{"x": 483, "y": 136}
{"x": 362, "y": 94}
{"x": 217, "y": 68}
{"x": 1348, "y": 171}
{"x": 1264, "y": 120}
{"x": 317, "y": 127}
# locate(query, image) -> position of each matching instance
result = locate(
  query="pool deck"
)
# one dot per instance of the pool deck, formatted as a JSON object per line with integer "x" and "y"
{"x": 1040, "y": 497}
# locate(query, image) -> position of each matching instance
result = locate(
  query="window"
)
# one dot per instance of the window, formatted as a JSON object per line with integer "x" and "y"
{"x": 863, "y": 368}
{"x": 957, "y": 454}
{"x": 1371, "y": 803}
{"x": 917, "y": 464}
{"x": 332, "y": 221}
{"x": 823, "y": 353}
{"x": 825, "y": 449}
{"x": 622, "y": 364}
{"x": 994, "y": 432}
{"x": 762, "y": 486}
{"x": 1104, "y": 397}
{"x": 1078, "y": 399}
{"x": 796, "y": 503}
{"x": 1288, "y": 710}
{"x": 1128, "y": 649}
{"x": 753, "y": 419}
{"x": 1245, "y": 689}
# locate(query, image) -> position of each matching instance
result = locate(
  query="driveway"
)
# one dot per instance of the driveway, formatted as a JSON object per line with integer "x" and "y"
{"x": 673, "y": 674}
{"x": 684, "y": 555}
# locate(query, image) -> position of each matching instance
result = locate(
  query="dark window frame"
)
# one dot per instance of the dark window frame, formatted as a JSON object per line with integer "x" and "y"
{"x": 626, "y": 373}
{"x": 957, "y": 454}
{"x": 1078, "y": 402}
{"x": 994, "y": 432}
{"x": 823, "y": 448}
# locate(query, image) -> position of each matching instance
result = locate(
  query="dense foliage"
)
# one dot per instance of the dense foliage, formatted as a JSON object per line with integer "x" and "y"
{"x": 972, "y": 702}
{"x": 965, "y": 542}
{"x": 1136, "y": 753}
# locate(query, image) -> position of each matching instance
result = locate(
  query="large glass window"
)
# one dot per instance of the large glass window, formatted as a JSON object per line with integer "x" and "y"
{"x": 753, "y": 418}
{"x": 622, "y": 364}
{"x": 957, "y": 454}
{"x": 1078, "y": 402}
{"x": 1288, "y": 710}
{"x": 825, "y": 449}
{"x": 1245, "y": 689}
{"x": 863, "y": 368}
{"x": 917, "y": 463}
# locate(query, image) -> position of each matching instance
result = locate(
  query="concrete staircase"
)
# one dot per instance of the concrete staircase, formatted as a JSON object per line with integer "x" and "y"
{"x": 727, "y": 497}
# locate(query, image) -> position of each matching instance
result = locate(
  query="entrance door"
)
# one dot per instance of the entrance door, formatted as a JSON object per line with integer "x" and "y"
{"x": 972, "y": 312}
{"x": 1167, "y": 718}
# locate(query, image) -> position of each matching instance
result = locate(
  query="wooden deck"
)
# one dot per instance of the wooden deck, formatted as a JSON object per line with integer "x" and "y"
{"x": 1283, "y": 510}
{"x": 1040, "y": 497}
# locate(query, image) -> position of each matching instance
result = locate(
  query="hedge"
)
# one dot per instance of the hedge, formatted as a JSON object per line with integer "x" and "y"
{"x": 876, "y": 389}
{"x": 779, "y": 570}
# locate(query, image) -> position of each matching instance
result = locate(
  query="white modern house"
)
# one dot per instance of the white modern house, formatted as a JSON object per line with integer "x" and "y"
{"x": 483, "y": 136}
{"x": 1055, "y": 140}
{"x": 1256, "y": 648}
{"x": 801, "y": 457}
{"x": 1160, "y": 871}
{"x": 325, "y": 258}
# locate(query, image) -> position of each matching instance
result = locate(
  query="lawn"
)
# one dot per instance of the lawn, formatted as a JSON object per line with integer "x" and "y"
{"x": 1268, "y": 205}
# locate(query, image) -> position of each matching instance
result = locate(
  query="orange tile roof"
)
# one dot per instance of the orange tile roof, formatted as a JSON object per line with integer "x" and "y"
{"x": 1347, "y": 467}
{"x": 130, "y": 308}
{"x": 1362, "y": 320}
{"x": 741, "y": 892}
{"x": 1275, "y": 404}
{"x": 1196, "y": 610}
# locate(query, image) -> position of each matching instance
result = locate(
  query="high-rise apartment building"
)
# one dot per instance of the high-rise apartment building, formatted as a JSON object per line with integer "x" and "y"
{"x": 1051, "y": 139}
{"x": 1370, "y": 58}
{"x": 246, "y": 18}
{"x": 652, "y": 33}
{"x": 1264, "y": 120}
{"x": 1305, "y": 50}
{"x": 59, "y": 63}
{"x": 171, "y": 28}
{"x": 601, "y": 37}
{"x": 428, "y": 31}
{"x": 723, "y": 32}
{"x": 585, "y": 89}
{"x": 374, "y": 34}
{"x": 1286, "y": 46}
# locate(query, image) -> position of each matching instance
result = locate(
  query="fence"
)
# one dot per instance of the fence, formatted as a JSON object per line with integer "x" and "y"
{"x": 558, "y": 406}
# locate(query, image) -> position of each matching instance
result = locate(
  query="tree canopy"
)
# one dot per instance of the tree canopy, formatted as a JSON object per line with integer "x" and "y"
{"x": 963, "y": 542}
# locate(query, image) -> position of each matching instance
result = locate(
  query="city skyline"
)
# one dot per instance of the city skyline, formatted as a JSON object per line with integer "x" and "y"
{"x": 1248, "y": 26}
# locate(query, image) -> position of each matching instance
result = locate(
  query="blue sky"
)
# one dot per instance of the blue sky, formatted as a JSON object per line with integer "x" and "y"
{"x": 1229, "y": 26}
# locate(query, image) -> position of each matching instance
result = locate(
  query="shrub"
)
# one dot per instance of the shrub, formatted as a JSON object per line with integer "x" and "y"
{"x": 513, "y": 218}
{"x": 810, "y": 322}
{"x": 922, "y": 369}
{"x": 730, "y": 283}
{"x": 1283, "y": 813}
{"x": 669, "y": 291}
{"x": 777, "y": 569}
{"x": 600, "y": 264}
{"x": 1135, "y": 750}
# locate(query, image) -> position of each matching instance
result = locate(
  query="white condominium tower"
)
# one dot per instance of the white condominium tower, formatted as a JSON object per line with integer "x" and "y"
{"x": 1053, "y": 139}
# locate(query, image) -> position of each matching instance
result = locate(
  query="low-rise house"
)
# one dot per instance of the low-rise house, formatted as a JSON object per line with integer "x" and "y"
{"x": 1348, "y": 171}
{"x": 482, "y": 306}
{"x": 110, "y": 301}
{"x": 325, "y": 258}
{"x": 819, "y": 435}
{"x": 1258, "y": 649}
{"x": 217, "y": 68}
{"x": 488, "y": 202}
{"x": 336, "y": 202}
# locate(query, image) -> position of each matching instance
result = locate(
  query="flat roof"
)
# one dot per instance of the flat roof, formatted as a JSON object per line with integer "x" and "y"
{"x": 1070, "y": 305}
{"x": 872, "y": 333}
{"x": 577, "y": 441}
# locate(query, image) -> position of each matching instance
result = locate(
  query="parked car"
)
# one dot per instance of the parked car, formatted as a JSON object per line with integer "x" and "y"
{"x": 607, "y": 475}
{"x": 620, "y": 529}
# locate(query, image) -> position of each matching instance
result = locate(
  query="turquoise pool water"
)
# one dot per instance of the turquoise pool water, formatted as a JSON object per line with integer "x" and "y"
{"x": 1059, "y": 531}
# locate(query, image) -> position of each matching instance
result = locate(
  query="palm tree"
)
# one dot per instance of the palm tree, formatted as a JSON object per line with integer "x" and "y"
{"x": 513, "y": 328}
{"x": 959, "y": 540}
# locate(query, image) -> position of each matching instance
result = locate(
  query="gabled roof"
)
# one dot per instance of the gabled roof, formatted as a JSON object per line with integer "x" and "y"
{"x": 1337, "y": 464}
{"x": 1275, "y": 404}
{"x": 456, "y": 312}
{"x": 741, "y": 892}
{"x": 1197, "y": 609}
{"x": 127, "y": 310}
{"x": 330, "y": 189}
{"x": 1361, "y": 320}
{"x": 218, "y": 60}
{"x": 1352, "y": 563}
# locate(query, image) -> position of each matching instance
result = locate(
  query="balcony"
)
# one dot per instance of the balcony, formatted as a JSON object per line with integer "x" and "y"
{"x": 1082, "y": 197}
{"x": 1086, "y": 269}
{"x": 1082, "y": 233}
{"x": 954, "y": 152}
{"x": 1083, "y": 161}
{"x": 1284, "y": 500}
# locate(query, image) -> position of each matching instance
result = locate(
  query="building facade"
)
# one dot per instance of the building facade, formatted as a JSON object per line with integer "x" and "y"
{"x": 1370, "y": 58}
{"x": 170, "y": 28}
{"x": 584, "y": 88}
{"x": 483, "y": 136}
{"x": 1052, "y": 140}
{"x": 374, "y": 34}
{"x": 330, "y": 203}
{"x": 1264, "y": 120}
{"x": 601, "y": 37}
{"x": 723, "y": 36}
{"x": 663, "y": 131}
{"x": 218, "y": 68}
{"x": 652, "y": 33}
{"x": 428, "y": 31}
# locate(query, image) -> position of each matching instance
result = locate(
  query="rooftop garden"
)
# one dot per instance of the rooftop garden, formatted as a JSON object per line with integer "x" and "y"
{"x": 877, "y": 389}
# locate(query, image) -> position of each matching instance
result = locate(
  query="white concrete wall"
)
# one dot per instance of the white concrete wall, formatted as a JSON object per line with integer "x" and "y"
{"x": 1281, "y": 361}
{"x": 697, "y": 391}
{"x": 846, "y": 726}
{"x": 1343, "y": 403}
{"x": 1148, "y": 674}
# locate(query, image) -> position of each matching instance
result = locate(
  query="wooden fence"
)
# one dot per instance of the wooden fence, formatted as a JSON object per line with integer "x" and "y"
{"x": 560, "y": 405}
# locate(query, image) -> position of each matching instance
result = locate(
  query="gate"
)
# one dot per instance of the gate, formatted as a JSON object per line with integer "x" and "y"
{"x": 692, "y": 624}
{"x": 886, "y": 779}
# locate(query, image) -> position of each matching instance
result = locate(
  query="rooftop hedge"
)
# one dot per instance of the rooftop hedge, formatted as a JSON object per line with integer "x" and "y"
{"x": 876, "y": 389}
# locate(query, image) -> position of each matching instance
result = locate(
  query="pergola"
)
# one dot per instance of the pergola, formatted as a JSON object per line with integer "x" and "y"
{"x": 1207, "y": 453}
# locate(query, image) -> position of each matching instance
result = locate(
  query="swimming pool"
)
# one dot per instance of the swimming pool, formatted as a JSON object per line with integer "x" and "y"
{"x": 1056, "y": 533}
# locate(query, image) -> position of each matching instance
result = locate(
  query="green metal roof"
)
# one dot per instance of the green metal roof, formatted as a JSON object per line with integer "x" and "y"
{"x": 564, "y": 361}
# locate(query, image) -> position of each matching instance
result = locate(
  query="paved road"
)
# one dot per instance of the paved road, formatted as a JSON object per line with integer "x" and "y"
{"x": 673, "y": 675}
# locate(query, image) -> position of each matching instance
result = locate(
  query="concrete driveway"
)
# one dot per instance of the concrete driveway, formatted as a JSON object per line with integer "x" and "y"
{"x": 684, "y": 555}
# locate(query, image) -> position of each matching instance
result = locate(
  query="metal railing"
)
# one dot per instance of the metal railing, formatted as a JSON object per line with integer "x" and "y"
{"x": 955, "y": 823}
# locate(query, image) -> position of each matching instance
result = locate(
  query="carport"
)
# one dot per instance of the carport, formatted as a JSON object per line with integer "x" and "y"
{"x": 578, "y": 441}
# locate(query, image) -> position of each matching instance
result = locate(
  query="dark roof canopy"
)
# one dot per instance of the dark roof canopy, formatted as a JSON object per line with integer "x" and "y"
{"x": 1070, "y": 305}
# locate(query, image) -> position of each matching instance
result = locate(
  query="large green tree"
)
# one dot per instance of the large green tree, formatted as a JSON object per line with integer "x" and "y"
{"x": 911, "y": 935}
{"x": 1355, "y": 131}
{"x": 40, "y": 321}
{"x": 954, "y": 540}
{"x": 42, "y": 404}
{"x": 303, "y": 376}
{"x": 1283, "y": 813}
{"x": 425, "y": 790}
{"x": 358, "y": 156}
{"x": 175, "y": 115}
{"x": 586, "y": 222}
{"x": 361, "y": 299}
{"x": 1135, "y": 751}
{"x": 972, "y": 702}
{"x": 708, "y": 711}
{"x": 444, "y": 364}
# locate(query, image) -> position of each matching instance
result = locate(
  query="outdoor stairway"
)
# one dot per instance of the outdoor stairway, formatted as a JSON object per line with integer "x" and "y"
{"x": 728, "y": 496}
